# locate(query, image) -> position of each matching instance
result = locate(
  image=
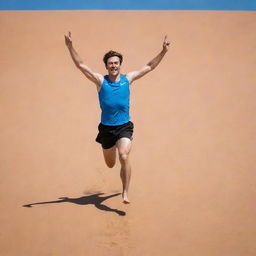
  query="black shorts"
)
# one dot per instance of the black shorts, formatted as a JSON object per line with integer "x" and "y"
{"x": 109, "y": 135}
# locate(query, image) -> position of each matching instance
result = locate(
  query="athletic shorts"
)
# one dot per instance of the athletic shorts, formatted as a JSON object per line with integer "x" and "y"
{"x": 109, "y": 135}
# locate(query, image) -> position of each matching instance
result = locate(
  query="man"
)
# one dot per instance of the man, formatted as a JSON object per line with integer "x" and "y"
{"x": 115, "y": 129}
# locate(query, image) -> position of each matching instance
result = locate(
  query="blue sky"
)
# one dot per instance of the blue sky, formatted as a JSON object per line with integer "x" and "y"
{"x": 236, "y": 5}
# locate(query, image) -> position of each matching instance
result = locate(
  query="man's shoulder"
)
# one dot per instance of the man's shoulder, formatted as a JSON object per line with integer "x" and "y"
{"x": 124, "y": 78}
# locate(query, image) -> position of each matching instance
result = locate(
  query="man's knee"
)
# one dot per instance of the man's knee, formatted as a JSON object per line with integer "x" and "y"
{"x": 110, "y": 157}
{"x": 123, "y": 156}
{"x": 110, "y": 164}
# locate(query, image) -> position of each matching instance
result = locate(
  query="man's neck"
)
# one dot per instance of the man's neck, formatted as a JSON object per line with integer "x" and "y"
{"x": 114, "y": 79}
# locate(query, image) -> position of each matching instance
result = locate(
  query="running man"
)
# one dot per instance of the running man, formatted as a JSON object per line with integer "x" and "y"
{"x": 115, "y": 129}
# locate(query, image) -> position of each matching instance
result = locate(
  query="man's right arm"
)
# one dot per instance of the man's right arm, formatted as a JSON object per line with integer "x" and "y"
{"x": 92, "y": 76}
{"x": 132, "y": 76}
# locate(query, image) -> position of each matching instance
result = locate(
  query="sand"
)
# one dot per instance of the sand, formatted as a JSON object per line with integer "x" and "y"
{"x": 193, "y": 158}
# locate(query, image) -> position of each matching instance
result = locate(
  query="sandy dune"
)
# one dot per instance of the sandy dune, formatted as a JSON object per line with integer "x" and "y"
{"x": 193, "y": 157}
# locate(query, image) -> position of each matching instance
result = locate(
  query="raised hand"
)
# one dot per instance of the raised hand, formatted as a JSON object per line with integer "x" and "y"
{"x": 166, "y": 44}
{"x": 68, "y": 40}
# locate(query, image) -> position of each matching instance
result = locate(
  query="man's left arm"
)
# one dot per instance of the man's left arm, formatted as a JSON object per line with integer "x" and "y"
{"x": 132, "y": 76}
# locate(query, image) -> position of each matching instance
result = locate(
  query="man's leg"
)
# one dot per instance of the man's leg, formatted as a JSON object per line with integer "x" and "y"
{"x": 124, "y": 147}
{"x": 110, "y": 156}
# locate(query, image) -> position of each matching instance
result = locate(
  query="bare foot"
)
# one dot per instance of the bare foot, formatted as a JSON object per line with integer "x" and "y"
{"x": 125, "y": 198}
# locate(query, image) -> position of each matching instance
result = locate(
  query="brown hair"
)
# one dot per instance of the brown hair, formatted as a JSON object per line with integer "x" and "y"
{"x": 112, "y": 54}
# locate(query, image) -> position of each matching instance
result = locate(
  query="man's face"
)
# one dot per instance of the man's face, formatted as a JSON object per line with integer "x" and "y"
{"x": 113, "y": 66}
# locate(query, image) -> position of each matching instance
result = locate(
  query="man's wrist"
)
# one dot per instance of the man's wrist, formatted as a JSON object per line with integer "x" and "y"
{"x": 69, "y": 46}
{"x": 164, "y": 51}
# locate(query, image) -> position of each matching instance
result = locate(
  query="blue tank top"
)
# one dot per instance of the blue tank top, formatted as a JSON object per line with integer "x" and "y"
{"x": 114, "y": 98}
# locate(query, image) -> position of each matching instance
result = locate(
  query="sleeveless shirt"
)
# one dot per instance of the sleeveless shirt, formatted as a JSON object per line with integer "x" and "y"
{"x": 114, "y": 99}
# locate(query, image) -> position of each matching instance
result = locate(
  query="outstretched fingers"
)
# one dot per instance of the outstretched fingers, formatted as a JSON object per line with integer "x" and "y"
{"x": 68, "y": 40}
{"x": 166, "y": 43}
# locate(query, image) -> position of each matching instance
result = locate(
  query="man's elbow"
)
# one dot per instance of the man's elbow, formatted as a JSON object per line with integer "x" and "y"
{"x": 149, "y": 67}
{"x": 79, "y": 64}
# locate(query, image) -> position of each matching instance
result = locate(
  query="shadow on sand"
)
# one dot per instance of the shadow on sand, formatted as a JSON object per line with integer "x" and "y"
{"x": 94, "y": 199}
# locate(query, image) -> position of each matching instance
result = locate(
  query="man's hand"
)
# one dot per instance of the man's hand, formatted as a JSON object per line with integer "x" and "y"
{"x": 166, "y": 44}
{"x": 68, "y": 40}
{"x": 132, "y": 76}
